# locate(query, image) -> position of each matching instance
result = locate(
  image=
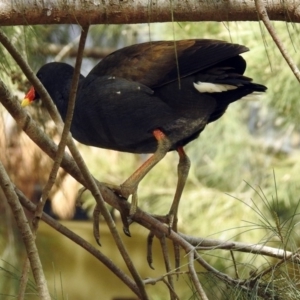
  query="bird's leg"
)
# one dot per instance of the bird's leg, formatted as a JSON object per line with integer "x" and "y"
{"x": 129, "y": 187}
{"x": 171, "y": 218}
{"x": 183, "y": 171}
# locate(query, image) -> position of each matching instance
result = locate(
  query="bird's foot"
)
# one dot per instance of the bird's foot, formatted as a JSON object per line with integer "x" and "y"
{"x": 122, "y": 190}
{"x": 170, "y": 220}
{"x": 117, "y": 189}
{"x": 125, "y": 190}
{"x": 132, "y": 211}
{"x": 78, "y": 201}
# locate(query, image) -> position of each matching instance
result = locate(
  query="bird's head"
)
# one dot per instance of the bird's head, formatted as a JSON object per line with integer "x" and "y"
{"x": 56, "y": 78}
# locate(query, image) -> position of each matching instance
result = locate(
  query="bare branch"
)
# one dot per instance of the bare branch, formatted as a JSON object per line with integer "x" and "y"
{"x": 210, "y": 244}
{"x": 165, "y": 252}
{"x": 65, "y": 50}
{"x": 65, "y": 133}
{"x": 234, "y": 264}
{"x": 290, "y": 257}
{"x": 194, "y": 277}
{"x": 24, "y": 279}
{"x": 29, "y": 12}
{"x": 263, "y": 14}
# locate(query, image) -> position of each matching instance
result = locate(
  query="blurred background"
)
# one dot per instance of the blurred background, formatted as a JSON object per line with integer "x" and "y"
{"x": 243, "y": 183}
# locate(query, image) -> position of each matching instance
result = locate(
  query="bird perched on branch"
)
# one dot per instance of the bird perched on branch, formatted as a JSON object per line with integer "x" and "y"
{"x": 153, "y": 97}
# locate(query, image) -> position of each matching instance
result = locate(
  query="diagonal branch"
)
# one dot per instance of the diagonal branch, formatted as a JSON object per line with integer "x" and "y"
{"x": 165, "y": 252}
{"x": 256, "y": 249}
{"x": 28, "y": 237}
{"x": 194, "y": 277}
{"x": 65, "y": 132}
{"x": 263, "y": 14}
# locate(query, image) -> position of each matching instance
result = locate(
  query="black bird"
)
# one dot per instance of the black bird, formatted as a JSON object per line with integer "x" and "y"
{"x": 151, "y": 98}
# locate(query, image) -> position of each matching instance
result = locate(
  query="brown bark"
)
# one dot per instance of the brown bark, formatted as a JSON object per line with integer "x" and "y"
{"x": 30, "y": 12}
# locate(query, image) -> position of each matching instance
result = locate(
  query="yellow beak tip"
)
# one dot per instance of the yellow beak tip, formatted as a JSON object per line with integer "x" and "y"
{"x": 25, "y": 102}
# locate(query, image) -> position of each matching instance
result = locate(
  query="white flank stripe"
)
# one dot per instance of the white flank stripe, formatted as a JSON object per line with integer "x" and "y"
{"x": 208, "y": 87}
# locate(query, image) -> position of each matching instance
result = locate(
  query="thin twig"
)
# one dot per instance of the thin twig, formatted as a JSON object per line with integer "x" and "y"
{"x": 260, "y": 7}
{"x": 24, "y": 279}
{"x": 290, "y": 257}
{"x": 65, "y": 132}
{"x": 255, "y": 249}
{"x": 234, "y": 264}
{"x": 66, "y": 49}
{"x": 195, "y": 278}
{"x": 168, "y": 267}
{"x": 170, "y": 288}
{"x": 26, "y": 234}
{"x": 224, "y": 277}
{"x": 153, "y": 281}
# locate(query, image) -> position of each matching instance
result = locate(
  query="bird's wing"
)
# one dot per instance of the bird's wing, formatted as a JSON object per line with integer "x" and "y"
{"x": 157, "y": 63}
